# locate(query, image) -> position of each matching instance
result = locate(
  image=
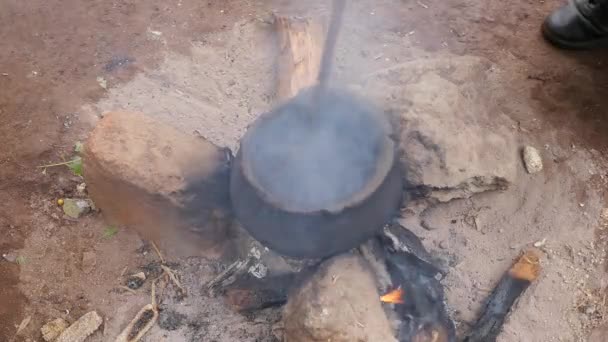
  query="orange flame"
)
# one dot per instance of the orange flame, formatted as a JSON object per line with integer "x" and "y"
{"x": 394, "y": 297}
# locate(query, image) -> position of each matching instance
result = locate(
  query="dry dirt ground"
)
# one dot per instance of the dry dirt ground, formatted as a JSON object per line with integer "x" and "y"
{"x": 206, "y": 66}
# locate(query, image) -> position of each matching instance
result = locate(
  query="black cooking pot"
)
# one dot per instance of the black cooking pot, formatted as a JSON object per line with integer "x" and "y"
{"x": 316, "y": 178}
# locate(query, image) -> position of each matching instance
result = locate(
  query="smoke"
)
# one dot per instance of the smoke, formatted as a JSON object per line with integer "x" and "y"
{"x": 309, "y": 161}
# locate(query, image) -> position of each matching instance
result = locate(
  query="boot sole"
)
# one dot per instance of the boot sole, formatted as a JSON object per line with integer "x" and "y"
{"x": 573, "y": 45}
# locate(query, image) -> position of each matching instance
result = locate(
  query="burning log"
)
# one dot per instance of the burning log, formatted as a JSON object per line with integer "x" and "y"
{"x": 394, "y": 264}
{"x": 417, "y": 297}
{"x": 403, "y": 241}
{"x": 421, "y": 308}
{"x": 394, "y": 297}
{"x": 512, "y": 285}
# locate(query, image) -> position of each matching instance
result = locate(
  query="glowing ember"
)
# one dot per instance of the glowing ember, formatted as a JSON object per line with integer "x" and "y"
{"x": 394, "y": 297}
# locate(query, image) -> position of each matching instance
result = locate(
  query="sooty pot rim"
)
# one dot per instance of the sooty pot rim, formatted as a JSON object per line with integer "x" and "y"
{"x": 383, "y": 165}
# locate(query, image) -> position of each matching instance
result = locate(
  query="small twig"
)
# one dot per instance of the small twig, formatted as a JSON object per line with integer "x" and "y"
{"x": 173, "y": 278}
{"x": 153, "y": 295}
{"x": 122, "y": 287}
{"x": 162, "y": 292}
{"x": 422, "y": 5}
{"x": 160, "y": 256}
{"x": 53, "y": 165}
{"x": 23, "y": 324}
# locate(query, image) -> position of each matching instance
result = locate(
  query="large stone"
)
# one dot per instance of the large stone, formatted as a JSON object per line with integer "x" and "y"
{"x": 170, "y": 186}
{"x": 339, "y": 303}
{"x": 452, "y": 132}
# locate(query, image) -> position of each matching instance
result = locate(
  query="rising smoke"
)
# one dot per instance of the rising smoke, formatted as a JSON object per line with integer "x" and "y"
{"x": 311, "y": 160}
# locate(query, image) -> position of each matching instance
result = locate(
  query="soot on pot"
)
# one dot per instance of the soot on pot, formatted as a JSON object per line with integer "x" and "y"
{"x": 311, "y": 157}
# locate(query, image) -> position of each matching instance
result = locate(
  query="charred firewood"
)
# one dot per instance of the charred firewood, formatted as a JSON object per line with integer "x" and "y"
{"x": 399, "y": 239}
{"x": 417, "y": 296}
{"x": 512, "y": 285}
{"x": 249, "y": 293}
{"x": 259, "y": 278}
{"x": 422, "y": 311}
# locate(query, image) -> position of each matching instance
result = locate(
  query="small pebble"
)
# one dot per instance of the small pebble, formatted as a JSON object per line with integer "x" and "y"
{"x": 81, "y": 188}
{"x": 443, "y": 245}
{"x": 10, "y": 257}
{"x": 75, "y": 208}
{"x": 532, "y": 160}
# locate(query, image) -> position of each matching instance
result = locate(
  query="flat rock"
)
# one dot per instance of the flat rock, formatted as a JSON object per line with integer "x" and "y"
{"x": 339, "y": 303}
{"x": 453, "y": 139}
{"x": 75, "y": 208}
{"x": 532, "y": 159}
{"x": 82, "y": 328}
{"x": 53, "y": 329}
{"x": 170, "y": 186}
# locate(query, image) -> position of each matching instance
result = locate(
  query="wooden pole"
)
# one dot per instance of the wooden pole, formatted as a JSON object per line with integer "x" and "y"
{"x": 300, "y": 51}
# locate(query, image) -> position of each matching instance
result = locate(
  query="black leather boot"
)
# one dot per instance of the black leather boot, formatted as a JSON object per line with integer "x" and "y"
{"x": 582, "y": 24}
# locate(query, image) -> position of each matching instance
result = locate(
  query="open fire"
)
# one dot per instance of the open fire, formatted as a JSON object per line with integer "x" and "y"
{"x": 402, "y": 269}
{"x": 406, "y": 290}
{"x": 318, "y": 218}
{"x": 394, "y": 297}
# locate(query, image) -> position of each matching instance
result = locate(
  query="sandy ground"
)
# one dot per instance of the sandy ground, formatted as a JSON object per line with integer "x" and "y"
{"x": 206, "y": 67}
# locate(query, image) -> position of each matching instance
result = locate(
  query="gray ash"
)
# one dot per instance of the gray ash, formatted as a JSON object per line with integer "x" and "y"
{"x": 170, "y": 320}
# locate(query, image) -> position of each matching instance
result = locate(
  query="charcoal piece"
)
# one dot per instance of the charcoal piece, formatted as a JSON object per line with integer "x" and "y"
{"x": 498, "y": 305}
